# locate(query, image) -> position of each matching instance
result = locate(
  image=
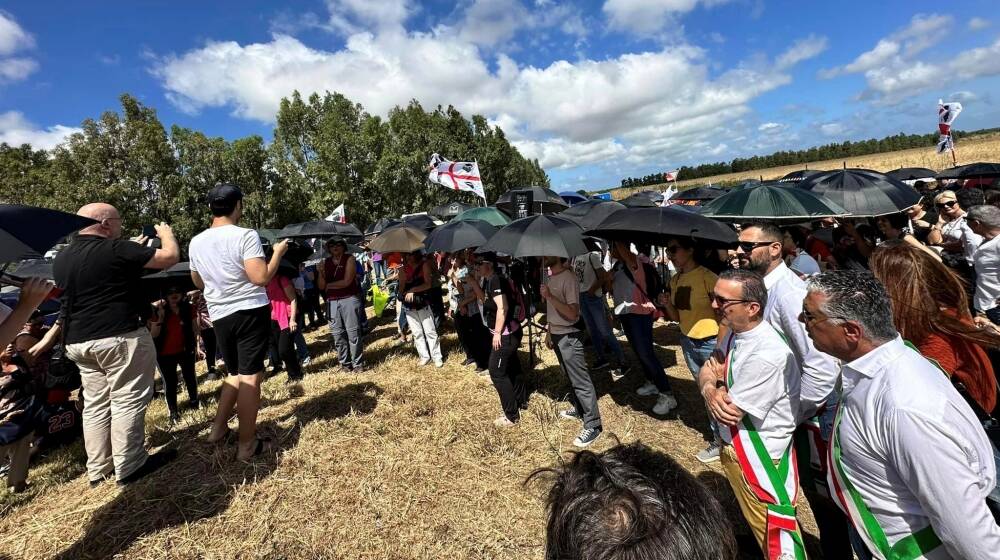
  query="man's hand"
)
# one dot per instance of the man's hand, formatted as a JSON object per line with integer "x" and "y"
{"x": 280, "y": 248}
{"x": 34, "y": 291}
{"x": 544, "y": 291}
{"x": 163, "y": 230}
{"x": 719, "y": 404}
{"x": 408, "y": 297}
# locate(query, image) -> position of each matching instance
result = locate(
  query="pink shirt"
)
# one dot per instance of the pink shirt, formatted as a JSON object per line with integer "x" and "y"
{"x": 645, "y": 306}
{"x": 281, "y": 306}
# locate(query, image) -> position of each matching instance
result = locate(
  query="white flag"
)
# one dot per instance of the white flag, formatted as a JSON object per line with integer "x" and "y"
{"x": 457, "y": 175}
{"x": 667, "y": 195}
{"x": 338, "y": 215}
{"x": 671, "y": 175}
{"x": 947, "y": 113}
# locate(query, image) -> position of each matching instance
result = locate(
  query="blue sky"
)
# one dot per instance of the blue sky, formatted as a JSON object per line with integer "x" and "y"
{"x": 596, "y": 90}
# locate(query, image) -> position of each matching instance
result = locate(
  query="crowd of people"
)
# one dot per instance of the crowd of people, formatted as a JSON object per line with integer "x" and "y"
{"x": 852, "y": 361}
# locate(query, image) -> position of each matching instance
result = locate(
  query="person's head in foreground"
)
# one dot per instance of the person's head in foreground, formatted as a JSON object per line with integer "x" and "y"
{"x": 226, "y": 201}
{"x": 632, "y": 503}
{"x": 847, "y": 313}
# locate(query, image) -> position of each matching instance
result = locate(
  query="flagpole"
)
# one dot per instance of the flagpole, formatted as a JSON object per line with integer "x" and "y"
{"x": 954, "y": 159}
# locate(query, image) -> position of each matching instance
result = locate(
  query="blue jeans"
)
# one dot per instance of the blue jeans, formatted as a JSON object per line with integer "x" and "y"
{"x": 639, "y": 332}
{"x": 696, "y": 353}
{"x": 379, "y": 270}
{"x": 595, "y": 315}
{"x": 300, "y": 344}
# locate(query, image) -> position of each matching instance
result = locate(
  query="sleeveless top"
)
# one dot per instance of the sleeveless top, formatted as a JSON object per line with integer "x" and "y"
{"x": 334, "y": 272}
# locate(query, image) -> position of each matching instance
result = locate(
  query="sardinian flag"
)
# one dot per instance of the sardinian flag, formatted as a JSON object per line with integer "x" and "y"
{"x": 947, "y": 113}
{"x": 456, "y": 175}
{"x": 667, "y": 195}
{"x": 671, "y": 175}
{"x": 338, "y": 215}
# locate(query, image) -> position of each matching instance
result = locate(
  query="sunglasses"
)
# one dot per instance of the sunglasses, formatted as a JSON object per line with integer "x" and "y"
{"x": 948, "y": 204}
{"x": 749, "y": 246}
{"x": 722, "y": 302}
{"x": 810, "y": 319}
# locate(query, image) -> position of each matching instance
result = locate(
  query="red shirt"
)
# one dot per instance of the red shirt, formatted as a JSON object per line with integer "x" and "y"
{"x": 334, "y": 272}
{"x": 173, "y": 336}
{"x": 818, "y": 250}
{"x": 968, "y": 363}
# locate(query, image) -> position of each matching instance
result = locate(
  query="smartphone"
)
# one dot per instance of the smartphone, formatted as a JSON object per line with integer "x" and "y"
{"x": 149, "y": 231}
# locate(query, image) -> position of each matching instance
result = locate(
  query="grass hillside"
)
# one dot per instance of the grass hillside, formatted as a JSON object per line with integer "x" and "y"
{"x": 968, "y": 150}
{"x": 397, "y": 462}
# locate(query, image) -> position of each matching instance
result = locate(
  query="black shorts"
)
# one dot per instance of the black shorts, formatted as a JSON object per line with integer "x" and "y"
{"x": 243, "y": 338}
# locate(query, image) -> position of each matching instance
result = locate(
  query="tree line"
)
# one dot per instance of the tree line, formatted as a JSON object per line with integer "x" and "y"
{"x": 326, "y": 150}
{"x": 840, "y": 150}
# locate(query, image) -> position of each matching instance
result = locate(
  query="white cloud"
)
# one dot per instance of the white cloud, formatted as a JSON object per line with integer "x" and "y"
{"x": 978, "y": 24}
{"x": 13, "y": 38}
{"x": 771, "y": 127}
{"x": 667, "y": 103}
{"x": 803, "y": 49}
{"x": 488, "y": 22}
{"x": 963, "y": 97}
{"x": 832, "y": 128}
{"x": 15, "y": 130}
{"x": 351, "y": 16}
{"x": 648, "y": 16}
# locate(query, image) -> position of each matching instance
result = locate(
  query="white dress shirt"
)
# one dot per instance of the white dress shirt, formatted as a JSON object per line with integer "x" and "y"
{"x": 785, "y": 292}
{"x": 959, "y": 230}
{"x": 765, "y": 385}
{"x": 915, "y": 452}
{"x": 986, "y": 259}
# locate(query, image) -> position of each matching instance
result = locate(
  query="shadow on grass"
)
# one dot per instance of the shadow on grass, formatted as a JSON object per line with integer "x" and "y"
{"x": 201, "y": 482}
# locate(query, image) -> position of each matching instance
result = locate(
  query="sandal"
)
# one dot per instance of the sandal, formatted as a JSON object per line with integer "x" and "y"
{"x": 258, "y": 450}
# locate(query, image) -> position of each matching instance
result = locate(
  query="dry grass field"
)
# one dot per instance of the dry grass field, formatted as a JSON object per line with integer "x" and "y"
{"x": 398, "y": 462}
{"x": 968, "y": 150}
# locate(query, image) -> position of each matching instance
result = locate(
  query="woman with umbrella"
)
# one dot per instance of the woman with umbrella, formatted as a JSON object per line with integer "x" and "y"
{"x": 175, "y": 331}
{"x": 415, "y": 291}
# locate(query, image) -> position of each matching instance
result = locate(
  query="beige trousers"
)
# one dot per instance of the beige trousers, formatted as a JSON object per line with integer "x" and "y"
{"x": 117, "y": 376}
{"x": 20, "y": 454}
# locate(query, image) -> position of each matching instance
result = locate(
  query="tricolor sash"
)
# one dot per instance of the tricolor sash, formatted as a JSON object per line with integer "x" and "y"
{"x": 910, "y": 547}
{"x": 774, "y": 485}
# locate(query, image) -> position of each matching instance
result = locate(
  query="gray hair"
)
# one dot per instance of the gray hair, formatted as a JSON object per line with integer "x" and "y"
{"x": 752, "y": 285}
{"x": 986, "y": 214}
{"x": 853, "y": 295}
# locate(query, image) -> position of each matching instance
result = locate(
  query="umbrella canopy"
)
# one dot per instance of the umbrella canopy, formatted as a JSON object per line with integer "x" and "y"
{"x": 638, "y": 201}
{"x": 971, "y": 171}
{"x": 911, "y": 173}
{"x": 35, "y": 268}
{"x": 656, "y": 225}
{"x": 30, "y": 231}
{"x": 178, "y": 271}
{"x": 450, "y": 210}
{"x": 707, "y": 192}
{"x": 748, "y": 184}
{"x": 591, "y": 213}
{"x": 772, "y": 201}
{"x": 572, "y": 198}
{"x": 489, "y": 214}
{"x": 456, "y": 236}
{"x": 179, "y": 275}
{"x": 401, "y": 238}
{"x": 380, "y": 226}
{"x": 863, "y": 192}
{"x": 544, "y": 201}
{"x": 321, "y": 228}
{"x": 420, "y": 221}
{"x": 538, "y": 236}
{"x": 800, "y": 175}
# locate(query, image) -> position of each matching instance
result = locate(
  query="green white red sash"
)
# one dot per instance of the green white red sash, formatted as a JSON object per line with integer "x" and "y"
{"x": 774, "y": 485}
{"x": 911, "y": 547}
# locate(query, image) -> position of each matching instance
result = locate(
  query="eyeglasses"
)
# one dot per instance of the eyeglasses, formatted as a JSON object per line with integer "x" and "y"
{"x": 749, "y": 246}
{"x": 809, "y": 319}
{"x": 948, "y": 204}
{"x": 722, "y": 302}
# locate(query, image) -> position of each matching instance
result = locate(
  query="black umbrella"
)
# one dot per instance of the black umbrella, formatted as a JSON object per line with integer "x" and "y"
{"x": 456, "y": 236}
{"x": 800, "y": 175}
{"x": 978, "y": 170}
{"x": 450, "y": 210}
{"x": 537, "y": 236}
{"x": 35, "y": 268}
{"x": 591, "y": 213}
{"x": 707, "y": 192}
{"x": 321, "y": 228}
{"x": 420, "y": 221}
{"x": 380, "y": 226}
{"x": 771, "y": 202}
{"x": 656, "y": 225}
{"x": 544, "y": 201}
{"x": 178, "y": 276}
{"x": 863, "y": 192}
{"x": 639, "y": 200}
{"x": 30, "y": 231}
{"x": 911, "y": 173}
{"x": 178, "y": 271}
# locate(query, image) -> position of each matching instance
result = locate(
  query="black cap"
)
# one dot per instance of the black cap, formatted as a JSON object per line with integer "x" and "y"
{"x": 224, "y": 194}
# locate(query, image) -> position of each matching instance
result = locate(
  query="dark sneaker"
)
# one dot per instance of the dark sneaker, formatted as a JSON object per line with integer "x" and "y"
{"x": 152, "y": 464}
{"x": 569, "y": 414}
{"x": 587, "y": 436}
{"x": 468, "y": 362}
{"x": 175, "y": 418}
{"x": 97, "y": 482}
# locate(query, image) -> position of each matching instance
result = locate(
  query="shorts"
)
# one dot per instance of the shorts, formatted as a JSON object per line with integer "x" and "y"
{"x": 243, "y": 338}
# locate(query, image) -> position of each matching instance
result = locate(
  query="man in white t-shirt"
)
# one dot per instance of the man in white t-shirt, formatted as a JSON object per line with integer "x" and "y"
{"x": 755, "y": 405}
{"x": 591, "y": 274}
{"x": 227, "y": 264}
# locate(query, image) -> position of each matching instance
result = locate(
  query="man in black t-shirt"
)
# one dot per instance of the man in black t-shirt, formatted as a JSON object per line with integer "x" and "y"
{"x": 103, "y": 320}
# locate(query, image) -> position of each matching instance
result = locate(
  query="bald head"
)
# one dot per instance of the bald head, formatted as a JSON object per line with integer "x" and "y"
{"x": 109, "y": 221}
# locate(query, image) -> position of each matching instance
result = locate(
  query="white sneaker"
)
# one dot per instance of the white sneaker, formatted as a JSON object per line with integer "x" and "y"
{"x": 664, "y": 404}
{"x": 439, "y": 364}
{"x": 647, "y": 389}
{"x": 424, "y": 362}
